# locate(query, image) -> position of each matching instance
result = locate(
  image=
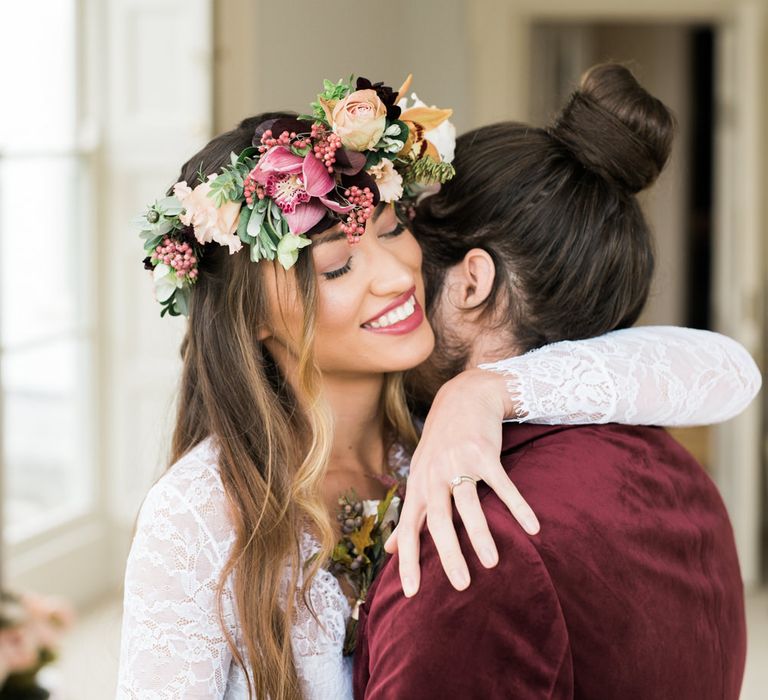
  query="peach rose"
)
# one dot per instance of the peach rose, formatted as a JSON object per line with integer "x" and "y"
{"x": 359, "y": 120}
{"x": 211, "y": 223}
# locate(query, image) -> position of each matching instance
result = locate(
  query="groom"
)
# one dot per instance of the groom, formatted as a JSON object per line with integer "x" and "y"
{"x": 632, "y": 587}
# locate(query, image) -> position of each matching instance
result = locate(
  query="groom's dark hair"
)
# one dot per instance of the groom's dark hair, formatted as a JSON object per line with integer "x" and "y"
{"x": 556, "y": 210}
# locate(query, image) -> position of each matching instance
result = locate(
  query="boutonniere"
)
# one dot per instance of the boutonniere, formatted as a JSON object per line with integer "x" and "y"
{"x": 359, "y": 554}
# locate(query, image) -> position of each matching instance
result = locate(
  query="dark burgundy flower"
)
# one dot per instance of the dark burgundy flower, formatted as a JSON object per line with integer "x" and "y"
{"x": 349, "y": 162}
{"x": 278, "y": 126}
{"x": 385, "y": 93}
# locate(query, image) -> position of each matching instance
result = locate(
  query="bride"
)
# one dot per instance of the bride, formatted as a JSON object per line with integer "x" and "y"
{"x": 292, "y": 393}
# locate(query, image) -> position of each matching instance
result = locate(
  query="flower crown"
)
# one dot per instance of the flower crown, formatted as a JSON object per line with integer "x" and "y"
{"x": 359, "y": 147}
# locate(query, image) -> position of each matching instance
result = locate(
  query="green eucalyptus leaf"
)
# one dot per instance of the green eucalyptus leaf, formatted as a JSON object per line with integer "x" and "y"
{"x": 243, "y": 223}
{"x": 164, "y": 226}
{"x": 181, "y": 299}
{"x": 255, "y": 252}
{"x": 170, "y": 206}
{"x": 268, "y": 237}
{"x": 152, "y": 243}
{"x": 254, "y": 223}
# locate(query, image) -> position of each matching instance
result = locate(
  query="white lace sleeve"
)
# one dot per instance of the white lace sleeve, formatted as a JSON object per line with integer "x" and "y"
{"x": 172, "y": 642}
{"x": 643, "y": 376}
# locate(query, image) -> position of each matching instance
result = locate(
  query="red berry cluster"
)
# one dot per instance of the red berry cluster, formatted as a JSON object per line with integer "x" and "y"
{"x": 286, "y": 138}
{"x": 354, "y": 224}
{"x": 252, "y": 189}
{"x": 179, "y": 256}
{"x": 268, "y": 141}
{"x": 326, "y": 145}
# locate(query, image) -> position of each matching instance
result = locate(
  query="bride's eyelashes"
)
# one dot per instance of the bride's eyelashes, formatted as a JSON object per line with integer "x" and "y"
{"x": 333, "y": 274}
{"x": 399, "y": 228}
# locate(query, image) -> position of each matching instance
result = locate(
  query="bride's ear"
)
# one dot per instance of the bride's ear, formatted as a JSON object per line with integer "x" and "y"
{"x": 473, "y": 279}
{"x": 264, "y": 333}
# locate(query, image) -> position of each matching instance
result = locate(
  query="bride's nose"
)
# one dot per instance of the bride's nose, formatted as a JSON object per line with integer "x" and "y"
{"x": 393, "y": 274}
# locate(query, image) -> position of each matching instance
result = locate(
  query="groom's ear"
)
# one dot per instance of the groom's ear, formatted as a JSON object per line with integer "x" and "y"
{"x": 476, "y": 273}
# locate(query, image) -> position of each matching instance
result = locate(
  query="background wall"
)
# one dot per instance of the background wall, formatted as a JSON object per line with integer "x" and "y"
{"x": 276, "y": 68}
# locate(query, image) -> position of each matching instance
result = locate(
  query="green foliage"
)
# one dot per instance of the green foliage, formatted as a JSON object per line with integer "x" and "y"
{"x": 428, "y": 171}
{"x": 374, "y": 158}
{"x": 169, "y": 305}
{"x": 331, "y": 91}
{"x": 227, "y": 186}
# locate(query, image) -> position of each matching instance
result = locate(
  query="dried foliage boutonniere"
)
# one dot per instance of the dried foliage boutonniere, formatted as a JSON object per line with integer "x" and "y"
{"x": 360, "y": 554}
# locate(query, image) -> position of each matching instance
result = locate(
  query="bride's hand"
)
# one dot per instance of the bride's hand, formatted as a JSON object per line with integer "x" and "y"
{"x": 461, "y": 437}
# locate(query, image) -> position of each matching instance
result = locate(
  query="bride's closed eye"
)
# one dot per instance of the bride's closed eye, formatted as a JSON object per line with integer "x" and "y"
{"x": 338, "y": 272}
{"x": 347, "y": 266}
{"x": 396, "y": 231}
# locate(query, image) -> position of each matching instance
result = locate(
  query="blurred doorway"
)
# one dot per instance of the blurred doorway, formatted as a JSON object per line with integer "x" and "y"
{"x": 690, "y": 55}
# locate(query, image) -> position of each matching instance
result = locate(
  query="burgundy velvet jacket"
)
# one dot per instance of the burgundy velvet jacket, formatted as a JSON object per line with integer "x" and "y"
{"x": 631, "y": 589}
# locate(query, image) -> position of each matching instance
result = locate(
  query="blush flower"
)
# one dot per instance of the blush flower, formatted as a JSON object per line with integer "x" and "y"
{"x": 359, "y": 119}
{"x": 210, "y": 223}
{"x": 388, "y": 180}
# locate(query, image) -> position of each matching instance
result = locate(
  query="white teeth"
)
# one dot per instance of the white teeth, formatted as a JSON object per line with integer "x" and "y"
{"x": 399, "y": 314}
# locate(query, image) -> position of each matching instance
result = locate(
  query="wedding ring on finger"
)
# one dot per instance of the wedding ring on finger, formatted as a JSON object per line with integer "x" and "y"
{"x": 460, "y": 479}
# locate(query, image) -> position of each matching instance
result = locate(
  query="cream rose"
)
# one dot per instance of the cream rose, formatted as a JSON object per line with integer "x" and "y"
{"x": 388, "y": 180}
{"x": 359, "y": 120}
{"x": 210, "y": 223}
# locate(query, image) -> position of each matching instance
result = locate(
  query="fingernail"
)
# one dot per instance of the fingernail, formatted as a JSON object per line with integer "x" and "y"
{"x": 409, "y": 589}
{"x": 531, "y": 524}
{"x": 460, "y": 578}
{"x": 489, "y": 557}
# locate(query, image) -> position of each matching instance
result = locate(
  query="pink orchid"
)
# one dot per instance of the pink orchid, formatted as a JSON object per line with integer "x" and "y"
{"x": 298, "y": 185}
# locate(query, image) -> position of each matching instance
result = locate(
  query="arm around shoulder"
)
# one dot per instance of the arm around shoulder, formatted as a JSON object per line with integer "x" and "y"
{"x": 648, "y": 375}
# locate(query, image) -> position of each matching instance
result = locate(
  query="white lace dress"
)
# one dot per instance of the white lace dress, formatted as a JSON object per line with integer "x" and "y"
{"x": 172, "y": 643}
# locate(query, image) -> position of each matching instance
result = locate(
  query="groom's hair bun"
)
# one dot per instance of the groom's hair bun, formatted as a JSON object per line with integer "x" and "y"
{"x": 616, "y": 128}
{"x": 556, "y": 209}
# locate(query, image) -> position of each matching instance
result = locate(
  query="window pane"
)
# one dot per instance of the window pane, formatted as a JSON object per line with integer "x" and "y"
{"x": 37, "y": 53}
{"x": 46, "y": 414}
{"x": 41, "y": 248}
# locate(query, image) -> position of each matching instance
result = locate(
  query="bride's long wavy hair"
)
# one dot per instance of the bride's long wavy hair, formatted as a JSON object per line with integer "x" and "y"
{"x": 233, "y": 390}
